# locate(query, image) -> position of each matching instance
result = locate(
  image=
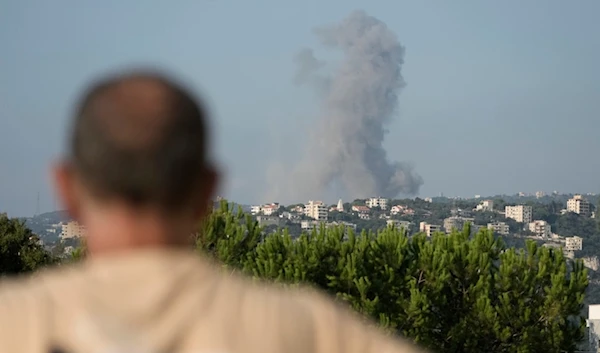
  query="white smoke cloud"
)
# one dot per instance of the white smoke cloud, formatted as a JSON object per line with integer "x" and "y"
{"x": 358, "y": 101}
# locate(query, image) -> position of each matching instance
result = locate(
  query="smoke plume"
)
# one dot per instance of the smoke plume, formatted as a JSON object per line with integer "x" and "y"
{"x": 359, "y": 100}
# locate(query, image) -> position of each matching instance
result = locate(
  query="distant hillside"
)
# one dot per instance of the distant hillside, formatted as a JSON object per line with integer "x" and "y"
{"x": 54, "y": 217}
{"x": 44, "y": 225}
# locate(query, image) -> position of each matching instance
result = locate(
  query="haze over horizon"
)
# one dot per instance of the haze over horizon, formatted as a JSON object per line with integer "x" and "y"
{"x": 500, "y": 97}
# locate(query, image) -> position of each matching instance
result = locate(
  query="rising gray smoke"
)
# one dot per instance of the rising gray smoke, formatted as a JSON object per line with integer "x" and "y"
{"x": 359, "y": 101}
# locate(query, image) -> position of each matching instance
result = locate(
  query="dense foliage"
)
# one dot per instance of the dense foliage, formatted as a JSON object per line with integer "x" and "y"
{"x": 449, "y": 293}
{"x": 19, "y": 248}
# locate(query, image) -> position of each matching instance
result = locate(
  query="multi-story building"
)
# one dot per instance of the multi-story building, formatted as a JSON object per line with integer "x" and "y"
{"x": 541, "y": 229}
{"x": 573, "y": 244}
{"x": 486, "y": 205}
{"x": 539, "y": 194}
{"x": 429, "y": 229}
{"x": 519, "y": 213}
{"x": 578, "y": 204}
{"x": 316, "y": 210}
{"x": 500, "y": 228}
{"x": 72, "y": 230}
{"x": 377, "y": 202}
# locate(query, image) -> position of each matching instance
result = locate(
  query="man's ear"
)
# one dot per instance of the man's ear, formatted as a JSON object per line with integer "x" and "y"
{"x": 65, "y": 188}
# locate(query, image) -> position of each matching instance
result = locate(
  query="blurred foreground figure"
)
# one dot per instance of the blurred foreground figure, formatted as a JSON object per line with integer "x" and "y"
{"x": 138, "y": 178}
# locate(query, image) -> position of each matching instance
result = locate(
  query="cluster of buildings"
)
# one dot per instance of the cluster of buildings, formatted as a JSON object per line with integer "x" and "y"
{"x": 523, "y": 214}
{"x": 314, "y": 213}
{"x": 266, "y": 210}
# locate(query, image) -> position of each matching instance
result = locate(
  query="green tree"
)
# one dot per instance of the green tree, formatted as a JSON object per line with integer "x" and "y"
{"x": 341, "y": 216}
{"x": 485, "y": 217}
{"x": 228, "y": 236}
{"x": 571, "y": 224}
{"x": 20, "y": 250}
{"x": 79, "y": 253}
{"x": 435, "y": 291}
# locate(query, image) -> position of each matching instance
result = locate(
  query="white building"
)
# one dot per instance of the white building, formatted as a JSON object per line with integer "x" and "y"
{"x": 360, "y": 209}
{"x": 72, "y": 230}
{"x": 573, "y": 244}
{"x": 397, "y": 209}
{"x": 593, "y": 324}
{"x": 340, "y": 206}
{"x": 429, "y": 229}
{"x": 486, "y": 205}
{"x": 591, "y": 262}
{"x": 306, "y": 225}
{"x": 540, "y": 228}
{"x": 266, "y": 210}
{"x": 578, "y": 204}
{"x": 316, "y": 210}
{"x": 520, "y": 213}
{"x": 377, "y": 202}
{"x": 500, "y": 228}
{"x": 539, "y": 194}
{"x": 298, "y": 209}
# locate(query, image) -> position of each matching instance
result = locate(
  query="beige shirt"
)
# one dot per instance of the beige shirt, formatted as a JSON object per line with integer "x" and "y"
{"x": 172, "y": 301}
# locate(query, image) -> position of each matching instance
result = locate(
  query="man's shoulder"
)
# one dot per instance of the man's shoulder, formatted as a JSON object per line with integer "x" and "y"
{"x": 15, "y": 289}
{"x": 26, "y": 306}
{"x": 284, "y": 297}
{"x": 311, "y": 319}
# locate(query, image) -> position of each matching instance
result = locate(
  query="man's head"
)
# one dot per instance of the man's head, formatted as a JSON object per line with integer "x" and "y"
{"x": 138, "y": 142}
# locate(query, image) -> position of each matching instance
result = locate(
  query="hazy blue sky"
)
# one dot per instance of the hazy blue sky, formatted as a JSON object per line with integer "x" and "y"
{"x": 501, "y": 96}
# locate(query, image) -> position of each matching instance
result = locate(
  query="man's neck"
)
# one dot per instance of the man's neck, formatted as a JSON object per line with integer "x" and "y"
{"x": 120, "y": 230}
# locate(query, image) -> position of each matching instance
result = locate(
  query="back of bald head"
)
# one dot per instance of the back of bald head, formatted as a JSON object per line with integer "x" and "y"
{"x": 142, "y": 138}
